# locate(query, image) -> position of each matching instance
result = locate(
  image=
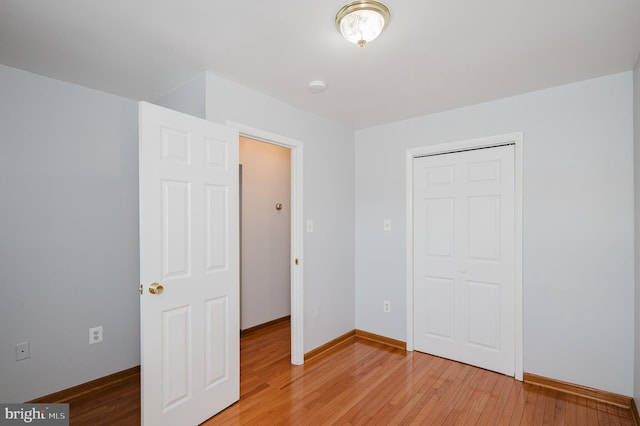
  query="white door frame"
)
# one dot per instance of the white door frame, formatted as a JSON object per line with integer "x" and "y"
{"x": 517, "y": 141}
{"x": 297, "y": 299}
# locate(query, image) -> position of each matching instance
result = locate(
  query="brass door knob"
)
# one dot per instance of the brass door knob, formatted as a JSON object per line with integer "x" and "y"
{"x": 156, "y": 288}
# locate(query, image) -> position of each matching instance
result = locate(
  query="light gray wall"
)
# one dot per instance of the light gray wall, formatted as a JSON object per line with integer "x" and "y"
{"x": 636, "y": 156}
{"x": 328, "y": 200}
{"x": 68, "y": 234}
{"x": 189, "y": 97}
{"x": 578, "y": 223}
{"x": 266, "y": 233}
{"x": 69, "y": 214}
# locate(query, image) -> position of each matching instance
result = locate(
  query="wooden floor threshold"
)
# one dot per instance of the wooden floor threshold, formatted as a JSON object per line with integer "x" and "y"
{"x": 84, "y": 390}
{"x": 583, "y": 391}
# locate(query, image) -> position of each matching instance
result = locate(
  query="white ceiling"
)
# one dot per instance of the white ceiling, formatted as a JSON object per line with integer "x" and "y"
{"x": 434, "y": 55}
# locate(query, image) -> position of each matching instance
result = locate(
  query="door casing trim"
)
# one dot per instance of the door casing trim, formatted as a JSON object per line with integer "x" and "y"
{"x": 297, "y": 295}
{"x": 512, "y": 138}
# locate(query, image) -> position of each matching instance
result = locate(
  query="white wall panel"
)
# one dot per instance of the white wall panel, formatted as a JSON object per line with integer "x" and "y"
{"x": 440, "y": 303}
{"x": 177, "y": 374}
{"x": 216, "y": 337}
{"x": 176, "y": 146}
{"x": 483, "y": 227}
{"x": 636, "y": 154}
{"x": 439, "y": 225}
{"x": 176, "y": 244}
{"x": 68, "y": 234}
{"x": 189, "y": 97}
{"x": 216, "y": 225}
{"x": 215, "y": 153}
{"x": 482, "y": 299}
{"x": 328, "y": 200}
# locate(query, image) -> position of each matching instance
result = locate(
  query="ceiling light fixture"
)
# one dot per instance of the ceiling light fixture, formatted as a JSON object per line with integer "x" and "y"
{"x": 362, "y": 21}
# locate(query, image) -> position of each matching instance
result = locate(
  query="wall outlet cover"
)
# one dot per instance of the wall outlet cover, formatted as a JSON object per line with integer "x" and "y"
{"x": 23, "y": 351}
{"x": 95, "y": 335}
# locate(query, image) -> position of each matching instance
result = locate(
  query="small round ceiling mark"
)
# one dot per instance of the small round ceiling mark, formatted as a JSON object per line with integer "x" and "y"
{"x": 317, "y": 86}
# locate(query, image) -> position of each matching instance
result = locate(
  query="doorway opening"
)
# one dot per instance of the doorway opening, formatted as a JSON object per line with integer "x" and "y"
{"x": 295, "y": 260}
{"x": 265, "y": 234}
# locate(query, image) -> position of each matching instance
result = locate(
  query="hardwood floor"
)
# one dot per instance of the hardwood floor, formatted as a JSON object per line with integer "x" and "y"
{"x": 361, "y": 382}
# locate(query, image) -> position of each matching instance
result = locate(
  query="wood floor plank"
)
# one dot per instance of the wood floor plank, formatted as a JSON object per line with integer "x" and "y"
{"x": 581, "y": 411}
{"x": 435, "y": 395}
{"x": 560, "y": 412}
{"x": 493, "y": 407}
{"x": 531, "y": 398}
{"x": 541, "y": 402}
{"x": 571, "y": 410}
{"x": 477, "y": 400}
{"x": 361, "y": 383}
{"x": 401, "y": 405}
{"x": 514, "y": 409}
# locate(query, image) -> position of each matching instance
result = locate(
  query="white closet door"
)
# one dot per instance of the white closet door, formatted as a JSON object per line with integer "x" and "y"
{"x": 464, "y": 257}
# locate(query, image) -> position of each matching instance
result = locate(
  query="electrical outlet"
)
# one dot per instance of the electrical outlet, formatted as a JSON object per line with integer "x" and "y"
{"x": 309, "y": 225}
{"x": 317, "y": 310}
{"x": 386, "y": 306}
{"x": 95, "y": 335}
{"x": 23, "y": 351}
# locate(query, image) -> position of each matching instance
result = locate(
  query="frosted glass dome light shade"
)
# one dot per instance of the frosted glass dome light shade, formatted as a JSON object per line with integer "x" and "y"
{"x": 362, "y": 21}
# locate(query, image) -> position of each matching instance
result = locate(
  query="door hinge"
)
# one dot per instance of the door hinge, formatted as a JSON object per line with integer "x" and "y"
{"x": 140, "y": 289}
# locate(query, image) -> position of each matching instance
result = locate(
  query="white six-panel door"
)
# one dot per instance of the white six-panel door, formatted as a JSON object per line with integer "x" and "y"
{"x": 189, "y": 246}
{"x": 464, "y": 257}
